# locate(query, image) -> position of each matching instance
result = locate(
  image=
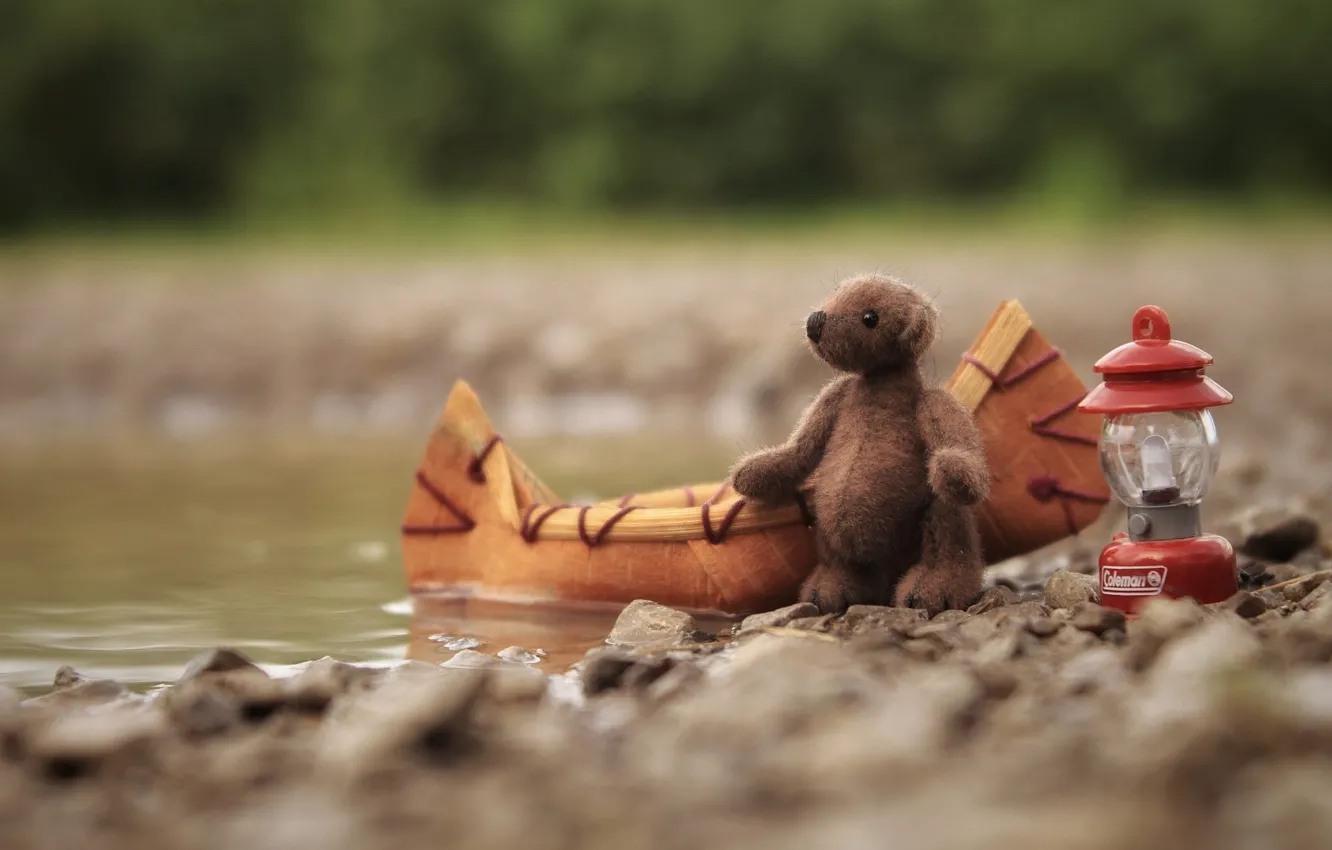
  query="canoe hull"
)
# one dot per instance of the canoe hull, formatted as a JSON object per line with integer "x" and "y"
{"x": 481, "y": 525}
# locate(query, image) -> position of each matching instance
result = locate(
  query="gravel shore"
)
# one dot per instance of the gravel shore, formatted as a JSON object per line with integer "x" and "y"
{"x": 1036, "y": 719}
{"x": 704, "y": 340}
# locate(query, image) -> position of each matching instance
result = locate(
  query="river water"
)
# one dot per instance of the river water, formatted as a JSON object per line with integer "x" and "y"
{"x": 125, "y": 558}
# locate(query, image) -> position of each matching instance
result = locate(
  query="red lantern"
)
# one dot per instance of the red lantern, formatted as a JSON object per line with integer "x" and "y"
{"x": 1159, "y": 453}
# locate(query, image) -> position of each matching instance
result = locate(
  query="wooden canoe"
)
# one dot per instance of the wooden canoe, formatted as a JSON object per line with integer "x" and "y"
{"x": 480, "y": 524}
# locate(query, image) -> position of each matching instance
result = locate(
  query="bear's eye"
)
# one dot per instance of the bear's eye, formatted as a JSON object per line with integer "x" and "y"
{"x": 870, "y": 318}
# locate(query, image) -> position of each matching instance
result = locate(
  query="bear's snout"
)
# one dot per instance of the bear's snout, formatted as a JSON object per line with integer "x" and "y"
{"x": 814, "y": 325}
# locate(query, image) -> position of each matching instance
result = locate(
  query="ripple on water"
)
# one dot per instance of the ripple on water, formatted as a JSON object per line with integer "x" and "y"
{"x": 399, "y": 608}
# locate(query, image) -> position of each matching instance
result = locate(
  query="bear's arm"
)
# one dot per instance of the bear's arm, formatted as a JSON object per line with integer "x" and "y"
{"x": 958, "y": 467}
{"x": 777, "y": 472}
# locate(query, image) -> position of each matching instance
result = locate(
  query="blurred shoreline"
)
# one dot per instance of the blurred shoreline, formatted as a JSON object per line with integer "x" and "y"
{"x": 676, "y": 334}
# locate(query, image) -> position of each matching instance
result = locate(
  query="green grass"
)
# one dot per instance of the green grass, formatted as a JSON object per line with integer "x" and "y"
{"x": 510, "y": 228}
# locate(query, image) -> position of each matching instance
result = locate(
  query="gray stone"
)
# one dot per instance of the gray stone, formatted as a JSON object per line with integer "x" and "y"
{"x": 1066, "y": 589}
{"x": 76, "y": 746}
{"x": 867, "y": 619}
{"x": 1090, "y": 617}
{"x": 67, "y": 677}
{"x": 1280, "y": 538}
{"x": 1165, "y": 618}
{"x": 1296, "y": 591}
{"x": 645, "y": 624}
{"x": 324, "y": 680}
{"x": 994, "y": 597}
{"x": 470, "y": 658}
{"x": 221, "y": 659}
{"x": 83, "y": 692}
{"x": 1245, "y": 604}
{"x": 1019, "y": 613}
{"x": 1042, "y": 626}
{"x": 780, "y": 617}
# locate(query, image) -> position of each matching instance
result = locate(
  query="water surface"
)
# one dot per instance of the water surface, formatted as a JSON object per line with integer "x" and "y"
{"x": 125, "y": 559}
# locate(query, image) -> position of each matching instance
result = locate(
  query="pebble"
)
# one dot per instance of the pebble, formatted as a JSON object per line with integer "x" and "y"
{"x": 645, "y": 624}
{"x": 1281, "y": 538}
{"x": 218, "y": 660}
{"x": 453, "y": 643}
{"x": 1245, "y": 604}
{"x": 518, "y": 655}
{"x": 863, "y": 619}
{"x": 1065, "y": 589}
{"x": 994, "y": 597}
{"x": 780, "y": 617}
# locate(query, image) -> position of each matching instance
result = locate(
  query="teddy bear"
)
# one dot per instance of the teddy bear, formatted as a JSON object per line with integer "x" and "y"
{"x": 896, "y": 465}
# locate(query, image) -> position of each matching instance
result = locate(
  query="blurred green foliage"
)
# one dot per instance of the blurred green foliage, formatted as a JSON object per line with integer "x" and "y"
{"x": 149, "y": 107}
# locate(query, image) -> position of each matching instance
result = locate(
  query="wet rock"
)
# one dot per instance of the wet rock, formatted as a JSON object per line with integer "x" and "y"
{"x": 1280, "y": 538}
{"x": 645, "y": 624}
{"x": 950, "y": 615}
{"x": 1097, "y": 669}
{"x": 1066, "y": 589}
{"x": 1182, "y": 687}
{"x": 324, "y": 680}
{"x": 674, "y": 681}
{"x": 822, "y": 623}
{"x": 1254, "y": 573}
{"x": 780, "y": 617}
{"x": 1279, "y": 573}
{"x": 507, "y": 681}
{"x": 602, "y": 669}
{"x": 926, "y": 709}
{"x": 221, "y": 659}
{"x": 67, "y": 677}
{"x": 1018, "y": 613}
{"x": 1245, "y": 604}
{"x": 427, "y": 721}
{"x": 74, "y": 689}
{"x": 1215, "y": 646}
{"x": 518, "y": 655}
{"x": 1318, "y": 597}
{"x": 1165, "y": 618}
{"x": 1296, "y": 591}
{"x": 202, "y": 712}
{"x": 77, "y": 746}
{"x": 471, "y": 659}
{"x": 868, "y": 619}
{"x": 946, "y": 635}
{"x": 994, "y": 597}
{"x": 219, "y": 682}
{"x": 1042, "y": 627}
{"x": 997, "y": 650}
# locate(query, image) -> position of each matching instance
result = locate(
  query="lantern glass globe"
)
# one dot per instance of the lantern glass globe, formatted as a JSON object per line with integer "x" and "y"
{"x": 1160, "y": 458}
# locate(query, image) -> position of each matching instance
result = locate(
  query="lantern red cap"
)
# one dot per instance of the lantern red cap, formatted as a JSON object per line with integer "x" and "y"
{"x": 1154, "y": 373}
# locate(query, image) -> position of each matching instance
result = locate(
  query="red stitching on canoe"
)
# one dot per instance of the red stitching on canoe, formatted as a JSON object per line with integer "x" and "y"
{"x": 720, "y": 534}
{"x": 465, "y": 522}
{"x": 596, "y": 539}
{"x": 474, "y": 470}
{"x": 1045, "y": 488}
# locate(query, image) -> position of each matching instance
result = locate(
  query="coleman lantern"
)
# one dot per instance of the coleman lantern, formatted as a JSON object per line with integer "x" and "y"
{"x": 1159, "y": 452}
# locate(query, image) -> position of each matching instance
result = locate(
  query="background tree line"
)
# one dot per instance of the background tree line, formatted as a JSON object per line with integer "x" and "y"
{"x": 126, "y": 107}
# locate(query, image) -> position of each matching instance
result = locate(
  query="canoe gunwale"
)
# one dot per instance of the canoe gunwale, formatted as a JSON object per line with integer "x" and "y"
{"x": 534, "y": 512}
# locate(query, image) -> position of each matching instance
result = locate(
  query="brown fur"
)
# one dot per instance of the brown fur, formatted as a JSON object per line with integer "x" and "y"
{"x": 895, "y": 465}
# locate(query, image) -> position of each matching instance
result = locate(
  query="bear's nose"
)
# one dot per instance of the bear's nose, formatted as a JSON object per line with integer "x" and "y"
{"x": 814, "y": 324}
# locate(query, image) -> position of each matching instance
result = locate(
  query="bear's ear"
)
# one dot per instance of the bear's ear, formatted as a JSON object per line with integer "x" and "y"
{"x": 920, "y": 331}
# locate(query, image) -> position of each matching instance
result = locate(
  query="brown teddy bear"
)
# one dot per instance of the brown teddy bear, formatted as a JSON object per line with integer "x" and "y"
{"x": 895, "y": 465}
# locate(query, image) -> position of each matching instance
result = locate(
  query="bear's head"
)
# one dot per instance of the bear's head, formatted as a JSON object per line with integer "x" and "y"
{"x": 873, "y": 323}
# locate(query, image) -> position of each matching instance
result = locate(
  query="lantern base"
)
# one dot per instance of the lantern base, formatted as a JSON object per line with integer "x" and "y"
{"x": 1132, "y": 572}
